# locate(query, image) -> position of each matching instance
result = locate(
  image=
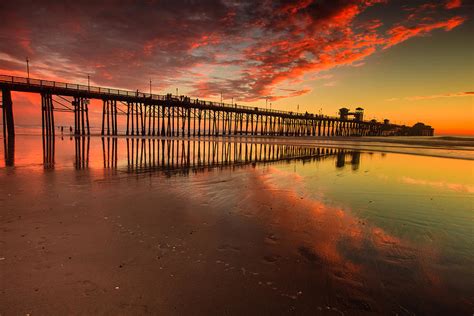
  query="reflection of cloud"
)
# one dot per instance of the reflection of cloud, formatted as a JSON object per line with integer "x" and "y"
{"x": 440, "y": 184}
{"x": 338, "y": 223}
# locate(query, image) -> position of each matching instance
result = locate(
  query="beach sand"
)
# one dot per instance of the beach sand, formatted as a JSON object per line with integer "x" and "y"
{"x": 223, "y": 242}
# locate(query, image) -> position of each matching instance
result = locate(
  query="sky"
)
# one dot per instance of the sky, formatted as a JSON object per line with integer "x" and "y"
{"x": 407, "y": 61}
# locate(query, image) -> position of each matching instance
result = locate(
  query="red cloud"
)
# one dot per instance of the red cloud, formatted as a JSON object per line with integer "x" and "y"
{"x": 453, "y": 4}
{"x": 301, "y": 42}
{"x": 296, "y": 6}
{"x": 205, "y": 40}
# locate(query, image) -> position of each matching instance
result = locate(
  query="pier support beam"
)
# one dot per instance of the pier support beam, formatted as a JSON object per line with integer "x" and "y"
{"x": 82, "y": 152}
{"x": 7, "y": 113}
{"x": 47, "y": 115}
{"x": 48, "y": 133}
{"x": 81, "y": 116}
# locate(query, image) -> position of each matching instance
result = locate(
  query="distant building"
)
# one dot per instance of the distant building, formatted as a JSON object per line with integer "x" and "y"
{"x": 420, "y": 129}
{"x": 384, "y": 128}
{"x": 358, "y": 114}
{"x": 343, "y": 113}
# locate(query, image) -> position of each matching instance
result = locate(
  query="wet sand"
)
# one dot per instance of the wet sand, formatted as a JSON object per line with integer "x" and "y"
{"x": 254, "y": 240}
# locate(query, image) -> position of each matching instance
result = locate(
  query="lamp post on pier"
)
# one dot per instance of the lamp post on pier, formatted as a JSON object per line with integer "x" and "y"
{"x": 28, "y": 69}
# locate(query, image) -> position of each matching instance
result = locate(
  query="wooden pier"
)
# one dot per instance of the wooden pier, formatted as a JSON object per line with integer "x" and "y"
{"x": 169, "y": 115}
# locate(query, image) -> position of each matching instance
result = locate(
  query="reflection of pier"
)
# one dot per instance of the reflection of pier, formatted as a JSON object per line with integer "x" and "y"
{"x": 109, "y": 148}
{"x": 81, "y": 150}
{"x": 183, "y": 156}
{"x": 48, "y": 150}
{"x": 354, "y": 161}
{"x": 81, "y": 160}
{"x": 9, "y": 150}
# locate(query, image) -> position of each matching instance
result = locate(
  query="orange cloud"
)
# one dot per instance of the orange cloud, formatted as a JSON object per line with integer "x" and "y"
{"x": 401, "y": 33}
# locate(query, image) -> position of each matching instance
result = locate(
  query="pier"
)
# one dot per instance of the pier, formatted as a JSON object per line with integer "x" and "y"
{"x": 170, "y": 115}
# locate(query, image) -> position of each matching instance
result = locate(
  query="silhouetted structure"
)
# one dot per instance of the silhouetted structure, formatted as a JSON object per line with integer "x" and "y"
{"x": 168, "y": 115}
{"x": 358, "y": 114}
{"x": 420, "y": 129}
{"x": 7, "y": 114}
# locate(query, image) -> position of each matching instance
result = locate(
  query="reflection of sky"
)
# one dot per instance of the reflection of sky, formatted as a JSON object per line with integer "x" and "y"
{"x": 388, "y": 189}
{"x": 381, "y": 183}
{"x": 376, "y": 240}
{"x": 424, "y": 200}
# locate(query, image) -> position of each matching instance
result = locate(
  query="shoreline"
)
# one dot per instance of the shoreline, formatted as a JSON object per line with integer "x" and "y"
{"x": 466, "y": 141}
{"x": 441, "y": 147}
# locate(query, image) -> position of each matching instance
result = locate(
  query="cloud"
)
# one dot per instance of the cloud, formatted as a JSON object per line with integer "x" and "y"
{"x": 295, "y": 93}
{"x": 435, "y": 96}
{"x": 244, "y": 49}
{"x": 453, "y": 4}
{"x": 401, "y": 33}
{"x": 445, "y": 95}
{"x": 330, "y": 84}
